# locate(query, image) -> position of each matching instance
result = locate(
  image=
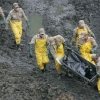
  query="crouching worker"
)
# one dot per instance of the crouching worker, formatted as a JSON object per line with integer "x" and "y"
{"x": 40, "y": 41}
{"x": 96, "y": 59}
{"x": 87, "y": 46}
{"x": 15, "y": 19}
{"x": 57, "y": 51}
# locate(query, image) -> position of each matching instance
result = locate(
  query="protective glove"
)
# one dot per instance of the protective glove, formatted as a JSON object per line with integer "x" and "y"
{"x": 73, "y": 44}
{"x": 78, "y": 51}
{"x": 93, "y": 35}
{"x": 6, "y": 26}
{"x": 4, "y": 19}
{"x": 58, "y": 61}
{"x": 28, "y": 23}
{"x": 94, "y": 49}
{"x": 31, "y": 50}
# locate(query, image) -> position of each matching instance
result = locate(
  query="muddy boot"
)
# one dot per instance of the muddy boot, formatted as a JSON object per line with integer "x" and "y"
{"x": 44, "y": 67}
{"x": 43, "y": 71}
{"x": 18, "y": 47}
{"x": 59, "y": 76}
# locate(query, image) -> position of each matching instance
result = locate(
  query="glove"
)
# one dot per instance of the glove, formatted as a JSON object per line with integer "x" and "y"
{"x": 31, "y": 50}
{"x": 73, "y": 44}
{"x": 6, "y": 26}
{"x": 28, "y": 23}
{"x": 78, "y": 51}
{"x": 93, "y": 35}
{"x": 58, "y": 61}
{"x": 4, "y": 19}
{"x": 94, "y": 49}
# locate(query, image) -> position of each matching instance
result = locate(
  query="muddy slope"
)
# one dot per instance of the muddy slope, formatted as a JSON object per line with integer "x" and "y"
{"x": 20, "y": 78}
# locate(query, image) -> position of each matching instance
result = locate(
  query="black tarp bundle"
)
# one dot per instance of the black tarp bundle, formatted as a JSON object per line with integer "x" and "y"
{"x": 79, "y": 65}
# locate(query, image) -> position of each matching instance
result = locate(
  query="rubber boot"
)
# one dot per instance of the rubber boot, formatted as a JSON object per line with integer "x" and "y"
{"x": 18, "y": 47}
{"x": 43, "y": 71}
{"x": 44, "y": 67}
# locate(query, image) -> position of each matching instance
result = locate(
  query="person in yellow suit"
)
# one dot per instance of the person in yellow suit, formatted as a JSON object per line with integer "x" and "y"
{"x": 2, "y": 14}
{"x": 87, "y": 46}
{"x": 77, "y": 31}
{"x": 15, "y": 18}
{"x": 96, "y": 59}
{"x": 40, "y": 41}
{"x": 57, "y": 51}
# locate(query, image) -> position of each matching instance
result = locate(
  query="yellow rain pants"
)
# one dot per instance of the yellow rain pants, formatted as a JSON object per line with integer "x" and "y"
{"x": 59, "y": 53}
{"x": 17, "y": 30}
{"x": 85, "y": 51}
{"x": 98, "y": 84}
{"x": 79, "y": 31}
{"x": 40, "y": 51}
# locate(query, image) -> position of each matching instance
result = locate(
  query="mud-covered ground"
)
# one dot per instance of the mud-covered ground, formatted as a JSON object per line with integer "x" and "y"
{"x": 20, "y": 77}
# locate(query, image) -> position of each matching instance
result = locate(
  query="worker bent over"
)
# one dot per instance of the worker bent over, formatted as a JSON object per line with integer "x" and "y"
{"x": 57, "y": 50}
{"x": 87, "y": 46}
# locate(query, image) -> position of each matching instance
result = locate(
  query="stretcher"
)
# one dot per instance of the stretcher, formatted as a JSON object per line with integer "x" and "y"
{"x": 79, "y": 66}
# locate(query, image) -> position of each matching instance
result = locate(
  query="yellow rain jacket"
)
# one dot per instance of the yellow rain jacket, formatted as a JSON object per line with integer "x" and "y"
{"x": 59, "y": 53}
{"x": 40, "y": 50}
{"x": 17, "y": 30}
{"x": 85, "y": 51}
{"x": 79, "y": 31}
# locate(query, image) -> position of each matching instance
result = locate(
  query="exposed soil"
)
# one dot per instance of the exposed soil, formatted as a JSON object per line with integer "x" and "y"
{"x": 20, "y": 77}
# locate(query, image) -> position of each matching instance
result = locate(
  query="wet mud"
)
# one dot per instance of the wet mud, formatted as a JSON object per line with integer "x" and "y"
{"x": 20, "y": 77}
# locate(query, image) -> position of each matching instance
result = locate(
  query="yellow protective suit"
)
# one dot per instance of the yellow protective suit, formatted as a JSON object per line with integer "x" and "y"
{"x": 59, "y": 53}
{"x": 40, "y": 50}
{"x": 98, "y": 84}
{"x": 17, "y": 30}
{"x": 85, "y": 51}
{"x": 79, "y": 31}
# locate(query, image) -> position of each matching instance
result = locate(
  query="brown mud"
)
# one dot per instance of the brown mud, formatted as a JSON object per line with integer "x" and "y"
{"x": 20, "y": 77}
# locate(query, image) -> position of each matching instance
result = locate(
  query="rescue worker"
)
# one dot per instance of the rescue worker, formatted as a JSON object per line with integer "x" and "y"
{"x": 87, "y": 46}
{"x": 2, "y": 14}
{"x": 96, "y": 59}
{"x": 40, "y": 41}
{"x": 77, "y": 31}
{"x": 57, "y": 51}
{"x": 15, "y": 19}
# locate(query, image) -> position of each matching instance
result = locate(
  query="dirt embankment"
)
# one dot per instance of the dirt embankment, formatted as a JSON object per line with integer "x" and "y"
{"x": 20, "y": 78}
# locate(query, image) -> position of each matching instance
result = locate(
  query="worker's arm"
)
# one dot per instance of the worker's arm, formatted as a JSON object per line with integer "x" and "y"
{"x": 74, "y": 37}
{"x": 61, "y": 38}
{"x": 2, "y": 14}
{"x": 94, "y": 45}
{"x": 24, "y": 16}
{"x": 90, "y": 32}
{"x": 31, "y": 46}
{"x": 8, "y": 19}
